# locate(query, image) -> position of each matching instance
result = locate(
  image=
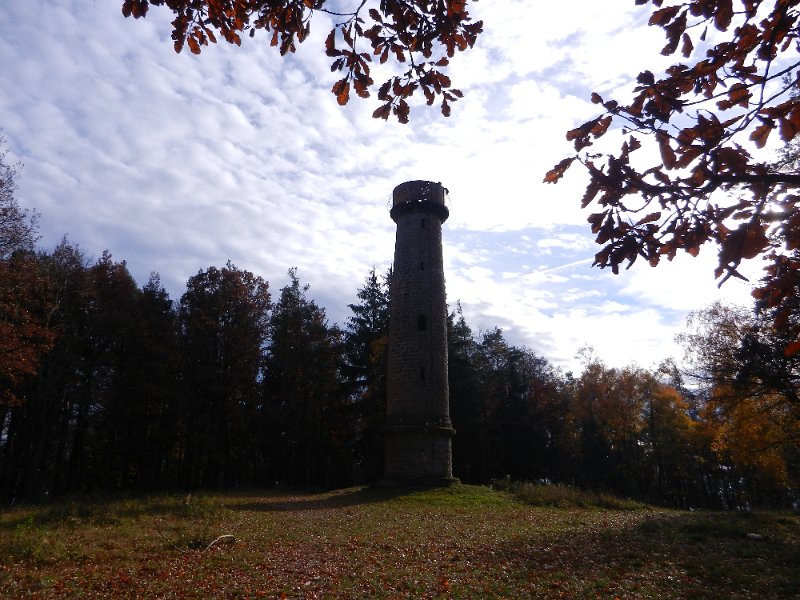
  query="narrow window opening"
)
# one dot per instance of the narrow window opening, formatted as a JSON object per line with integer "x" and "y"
{"x": 421, "y": 266}
{"x": 422, "y": 323}
{"x": 422, "y": 223}
{"x": 422, "y": 373}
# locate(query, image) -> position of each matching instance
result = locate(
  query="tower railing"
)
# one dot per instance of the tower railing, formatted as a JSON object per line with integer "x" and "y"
{"x": 419, "y": 191}
{"x": 425, "y": 195}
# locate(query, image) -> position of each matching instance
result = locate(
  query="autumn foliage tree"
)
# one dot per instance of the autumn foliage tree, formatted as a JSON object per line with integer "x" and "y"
{"x": 733, "y": 89}
{"x": 419, "y": 35}
{"x": 751, "y": 402}
{"x": 24, "y": 303}
{"x": 18, "y": 227}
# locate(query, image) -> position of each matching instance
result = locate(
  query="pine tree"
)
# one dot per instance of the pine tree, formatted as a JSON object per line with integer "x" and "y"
{"x": 303, "y": 388}
{"x": 365, "y": 352}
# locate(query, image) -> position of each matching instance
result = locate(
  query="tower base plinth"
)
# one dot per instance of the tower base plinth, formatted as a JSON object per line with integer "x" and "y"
{"x": 418, "y": 456}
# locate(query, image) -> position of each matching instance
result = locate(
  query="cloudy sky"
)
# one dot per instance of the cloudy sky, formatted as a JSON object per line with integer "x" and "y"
{"x": 176, "y": 162}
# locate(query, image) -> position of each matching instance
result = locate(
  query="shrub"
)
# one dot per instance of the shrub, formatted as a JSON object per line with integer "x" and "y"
{"x": 564, "y": 496}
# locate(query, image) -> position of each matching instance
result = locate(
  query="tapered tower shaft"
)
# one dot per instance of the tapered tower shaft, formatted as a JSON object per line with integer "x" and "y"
{"x": 418, "y": 430}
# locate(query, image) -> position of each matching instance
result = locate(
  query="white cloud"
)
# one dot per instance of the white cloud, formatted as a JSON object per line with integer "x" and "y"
{"x": 566, "y": 241}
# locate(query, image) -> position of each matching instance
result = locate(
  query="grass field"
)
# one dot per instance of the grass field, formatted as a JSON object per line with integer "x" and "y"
{"x": 457, "y": 542}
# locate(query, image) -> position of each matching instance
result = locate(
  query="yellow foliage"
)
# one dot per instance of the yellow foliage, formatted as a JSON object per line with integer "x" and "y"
{"x": 753, "y": 431}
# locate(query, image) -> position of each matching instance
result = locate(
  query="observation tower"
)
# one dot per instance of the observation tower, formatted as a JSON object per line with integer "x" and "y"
{"x": 418, "y": 431}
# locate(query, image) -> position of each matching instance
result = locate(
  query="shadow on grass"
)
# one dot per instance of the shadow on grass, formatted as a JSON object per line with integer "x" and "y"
{"x": 102, "y": 509}
{"x": 287, "y": 501}
{"x": 111, "y": 508}
{"x": 666, "y": 555}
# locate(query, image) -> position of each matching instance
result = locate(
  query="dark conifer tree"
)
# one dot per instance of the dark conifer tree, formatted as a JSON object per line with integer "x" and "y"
{"x": 304, "y": 390}
{"x": 366, "y": 341}
{"x": 467, "y": 403}
{"x": 155, "y": 418}
{"x": 134, "y": 331}
{"x": 112, "y": 376}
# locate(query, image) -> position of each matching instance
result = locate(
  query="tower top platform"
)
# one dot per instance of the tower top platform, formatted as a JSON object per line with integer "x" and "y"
{"x": 420, "y": 196}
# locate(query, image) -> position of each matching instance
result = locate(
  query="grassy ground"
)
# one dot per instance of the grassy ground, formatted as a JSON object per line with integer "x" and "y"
{"x": 458, "y": 542}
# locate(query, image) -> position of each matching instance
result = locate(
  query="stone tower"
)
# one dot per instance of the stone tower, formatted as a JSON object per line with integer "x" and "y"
{"x": 418, "y": 430}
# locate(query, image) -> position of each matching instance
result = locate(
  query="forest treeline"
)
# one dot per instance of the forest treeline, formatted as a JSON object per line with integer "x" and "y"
{"x": 123, "y": 389}
{"x": 106, "y": 385}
